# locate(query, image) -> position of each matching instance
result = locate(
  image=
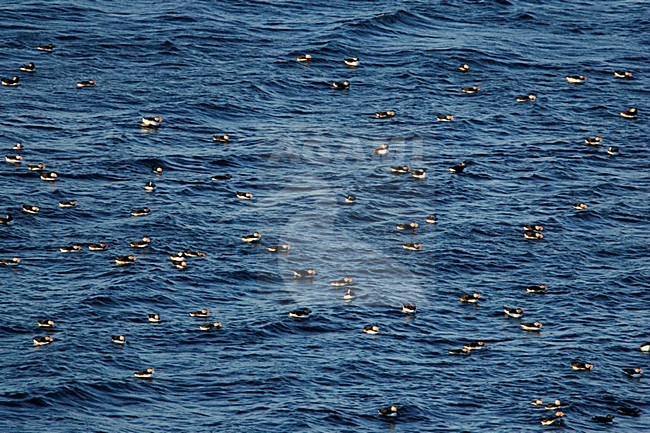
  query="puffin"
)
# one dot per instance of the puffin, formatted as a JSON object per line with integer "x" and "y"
{"x": 10, "y": 82}
{"x": 301, "y": 313}
{"x": 409, "y": 309}
{"x": 348, "y": 295}
{"x": 102, "y": 246}
{"x": 47, "y": 48}
{"x": 342, "y": 282}
{"x": 244, "y": 195}
{"x": 157, "y": 169}
{"x": 279, "y": 248}
{"x": 535, "y": 326}
{"x": 581, "y": 366}
{"x": 555, "y": 420}
{"x": 202, "y": 313}
{"x": 629, "y": 114}
{"x": 593, "y": 141}
{"x": 118, "y": 339}
{"x": 141, "y": 212}
{"x": 382, "y": 149}
{"x": 86, "y": 83}
{"x": 143, "y": 243}
{"x": 46, "y": 323}
{"x": 304, "y": 273}
{"x": 49, "y": 177}
{"x": 341, "y": 85}
{"x": 456, "y": 169}
{"x": 633, "y": 372}
{"x": 177, "y": 257}
{"x": 623, "y": 74}
{"x": 149, "y": 186}
{"x": 419, "y": 173}
{"x": 431, "y": 219}
{"x": 612, "y": 150}
{"x": 69, "y": 203}
{"x": 470, "y": 90}
{"x": 534, "y": 228}
{"x": 390, "y": 411}
{"x": 221, "y": 177}
{"x": 14, "y": 159}
{"x": 304, "y": 58}
{"x": 541, "y": 288}
{"x": 513, "y": 312}
{"x": 31, "y": 67}
{"x": 36, "y": 167}
{"x": 477, "y": 345}
{"x": 407, "y": 226}
{"x": 553, "y": 406}
{"x": 470, "y": 298}
{"x": 153, "y": 318}
{"x": 580, "y": 206}
{"x": 210, "y": 326}
{"x": 125, "y": 260}
{"x": 144, "y": 374}
{"x": 645, "y": 347}
{"x": 445, "y": 118}
{"x": 32, "y": 210}
{"x": 464, "y": 67}
{"x": 400, "y": 169}
{"x": 528, "y": 234}
{"x": 42, "y": 341}
{"x": 371, "y": 329}
{"x": 252, "y": 238}
{"x": 189, "y": 253}
{"x": 70, "y": 248}
{"x": 6, "y": 219}
{"x": 221, "y": 138}
{"x": 462, "y": 351}
{"x": 526, "y": 98}
{"x": 9, "y": 262}
{"x": 384, "y": 114}
{"x": 350, "y": 199}
{"x": 412, "y": 246}
{"x": 536, "y": 402}
{"x": 576, "y": 79}
{"x": 354, "y": 62}
{"x": 151, "y": 122}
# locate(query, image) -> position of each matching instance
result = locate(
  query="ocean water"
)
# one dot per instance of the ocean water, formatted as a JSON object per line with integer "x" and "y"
{"x": 300, "y": 147}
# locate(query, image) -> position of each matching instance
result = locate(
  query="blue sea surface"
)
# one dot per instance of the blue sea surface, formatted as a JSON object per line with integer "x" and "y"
{"x": 300, "y": 146}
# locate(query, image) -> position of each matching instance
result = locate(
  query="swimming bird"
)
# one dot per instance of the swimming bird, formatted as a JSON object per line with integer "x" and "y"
{"x": 210, "y": 326}
{"x": 304, "y": 58}
{"x": 623, "y": 74}
{"x": 143, "y": 243}
{"x": 477, "y": 345}
{"x": 48, "y": 48}
{"x": 575, "y": 79}
{"x": 149, "y": 186}
{"x": 612, "y": 150}
{"x": 6, "y": 219}
{"x": 445, "y": 118}
{"x": 180, "y": 265}
{"x": 151, "y": 122}
{"x": 341, "y": 85}
{"x": 32, "y": 210}
{"x": 70, "y": 248}
{"x": 177, "y": 257}
{"x": 400, "y": 169}
{"x": 46, "y": 323}
{"x": 645, "y": 347}
{"x": 304, "y": 273}
{"x": 464, "y": 67}
{"x": 462, "y": 351}
{"x": 513, "y": 312}
{"x": 10, "y": 82}
{"x": 536, "y": 402}
{"x": 36, "y": 167}
{"x": 534, "y": 228}
{"x": 190, "y": 253}
{"x": 301, "y": 313}
{"x": 533, "y": 235}
{"x": 141, "y": 212}
{"x": 388, "y": 411}
{"x": 279, "y": 248}
{"x": 31, "y": 67}
{"x": 153, "y": 318}
{"x": 221, "y": 177}
{"x": 49, "y": 177}
{"x": 382, "y": 149}
{"x": 86, "y": 83}
{"x": 408, "y": 309}
{"x": 431, "y": 219}
{"x": 9, "y": 262}
{"x": 201, "y": 313}
{"x": 537, "y": 289}
{"x": 581, "y": 366}
{"x": 118, "y": 339}
{"x": 470, "y": 90}
{"x": 526, "y": 98}
{"x": 42, "y": 341}
{"x": 384, "y": 114}
{"x": 69, "y": 203}
{"x": 157, "y": 169}
{"x": 603, "y": 419}
{"x": 102, "y": 246}
{"x": 419, "y": 173}
{"x": 221, "y": 138}
{"x": 557, "y": 419}
{"x": 593, "y": 141}
{"x": 629, "y": 114}
{"x": 458, "y": 168}
{"x": 535, "y": 326}
{"x": 553, "y": 406}
{"x": 412, "y": 246}
{"x": 580, "y": 206}
{"x": 17, "y": 146}
{"x": 407, "y": 226}
{"x": 125, "y": 260}
{"x": 244, "y": 195}
{"x": 350, "y": 198}
{"x": 342, "y": 282}
{"x": 354, "y": 62}
{"x": 14, "y": 159}
{"x": 371, "y": 329}
{"x": 252, "y": 238}
{"x": 348, "y": 295}
{"x": 144, "y": 374}
{"x": 633, "y": 372}
{"x": 470, "y": 298}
